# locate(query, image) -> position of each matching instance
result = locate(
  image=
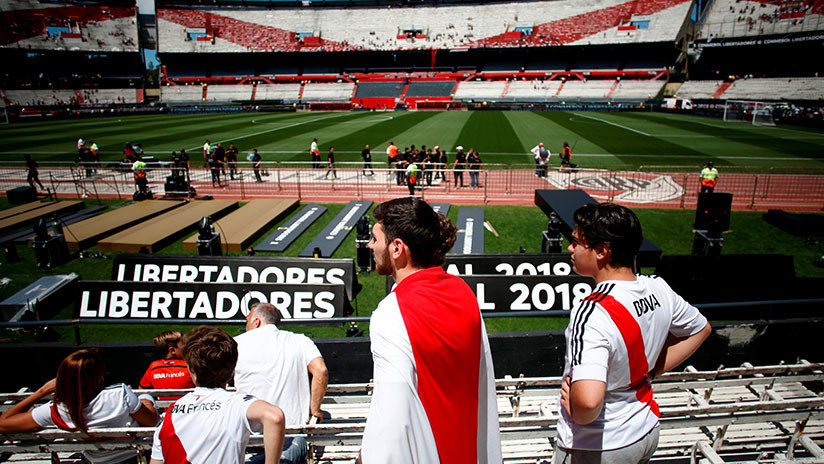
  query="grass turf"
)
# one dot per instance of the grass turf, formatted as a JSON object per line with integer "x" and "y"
{"x": 519, "y": 226}
{"x": 611, "y": 139}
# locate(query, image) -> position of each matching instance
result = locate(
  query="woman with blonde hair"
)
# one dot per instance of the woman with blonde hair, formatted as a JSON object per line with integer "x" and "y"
{"x": 82, "y": 402}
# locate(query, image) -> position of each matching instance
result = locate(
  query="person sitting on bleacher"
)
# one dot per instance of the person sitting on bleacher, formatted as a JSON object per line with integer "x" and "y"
{"x": 211, "y": 424}
{"x": 81, "y": 402}
{"x": 171, "y": 371}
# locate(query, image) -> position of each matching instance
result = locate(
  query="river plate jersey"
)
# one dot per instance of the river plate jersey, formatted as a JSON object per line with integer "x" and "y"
{"x": 615, "y": 335}
{"x": 204, "y": 426}
{"x": 434, "y": 396}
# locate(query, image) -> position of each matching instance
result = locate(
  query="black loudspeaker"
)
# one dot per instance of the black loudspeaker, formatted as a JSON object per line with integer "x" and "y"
{"x": 713, "y": 212}
{"x": 20, "y": 195}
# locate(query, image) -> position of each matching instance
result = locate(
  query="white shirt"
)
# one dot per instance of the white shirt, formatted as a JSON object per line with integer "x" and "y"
{"x": 537, "y": 152}
{"x": 398, "y": 429}
{"x": 273, "y": 365}
{"x": 112, "y": 407}
{"x": 314, "y": 147}
{"x": 602, "y": 343}
{"x": 210, "y": 425}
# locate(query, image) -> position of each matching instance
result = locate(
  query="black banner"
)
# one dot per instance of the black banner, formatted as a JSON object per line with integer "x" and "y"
{"x": 529, "y": 293}
{"x": 332, "y": 236}
{"x": 762, "y": 40}
{"x": 470, "y": 231}
{"x": 514, "y": 264}
{"x": 236, "y": 269}
{"x": 158, "y": 301}
{"x": 291, "y": 230}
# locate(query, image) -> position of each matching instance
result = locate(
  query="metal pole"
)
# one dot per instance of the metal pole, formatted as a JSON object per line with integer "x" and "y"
{"x": 754, "y": 188}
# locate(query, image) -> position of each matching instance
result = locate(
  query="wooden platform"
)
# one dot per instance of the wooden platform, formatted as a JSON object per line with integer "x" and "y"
{"x": 9, "y": 212}
{"x": 86, "y": 233}
{"x": 29, "y": 217}
{"x": 239, "y": 229}
{"x": 160, "y": 231}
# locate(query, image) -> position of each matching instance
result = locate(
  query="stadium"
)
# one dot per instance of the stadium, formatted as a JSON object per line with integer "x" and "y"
{"x": 102, "y": 249}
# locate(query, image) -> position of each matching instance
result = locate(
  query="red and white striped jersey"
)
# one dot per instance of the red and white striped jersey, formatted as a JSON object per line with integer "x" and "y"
{"x": 204, "y": 426}
{"x": 615, "y": 335}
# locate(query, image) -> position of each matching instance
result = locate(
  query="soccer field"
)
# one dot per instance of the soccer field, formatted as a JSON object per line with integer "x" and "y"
{"x": 600, "y": 139}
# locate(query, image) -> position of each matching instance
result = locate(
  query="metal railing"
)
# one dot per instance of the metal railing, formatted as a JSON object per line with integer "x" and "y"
{"x": 648, "y": 186}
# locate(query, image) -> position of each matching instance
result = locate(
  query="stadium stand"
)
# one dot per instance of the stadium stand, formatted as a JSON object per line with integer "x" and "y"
{"x": 736, "y": 18}
{"x": 637, "y": 89}
{"x": 777, "y": 89}
{"x": 181, "y": 93}
{"x": 390, "y": 89}
{"x": 328, "y": 92}
{"x": 533, "y": 90}
{"x": 55, "y": 26}
{"x": 505, "y": 24}
{"x": 430, "y": 89}
{"x": 767, "y": 412}
{"x": 71, "y": 97}
{"x": 480, "y": 90}
{"x": 285, "y": 92}
{"x": 229, "y": 93}
{"x": 770, "y": 89}
{"x": 699, "y": 89}
{"x": 595, "y": 89}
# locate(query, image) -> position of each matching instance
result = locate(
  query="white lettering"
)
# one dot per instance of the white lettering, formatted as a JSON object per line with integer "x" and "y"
{"x": 480, "y": 292}
{"x": 140, "y": 300}
{"x": 169, "y": 273}
{"x": 188, "y": 273}
{"x": 244, "y": 271}
{"x": 303, "y": 302}
{"x": 160, "y": 303}
{"x": 120, "y": 304}
{"x": 225, "y": 275}
{"x": 84, "y": 305}
{"x": 324, "y": 301}
{"x": 182, "y": 297}
{"x": 234, "y": 305}
{"x": 202, "y": 305}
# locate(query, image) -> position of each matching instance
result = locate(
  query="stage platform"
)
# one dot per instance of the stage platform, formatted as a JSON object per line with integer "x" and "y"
{"x": 156, "y": 233}
{"x": 30, "y": 217}
{"x": 86, "y": 233}
{"x": 241, "y": 228}
{"x": 7, "y": 213}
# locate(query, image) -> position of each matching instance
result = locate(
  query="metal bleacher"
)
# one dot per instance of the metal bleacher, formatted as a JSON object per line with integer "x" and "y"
{"x": 763, "y": 414}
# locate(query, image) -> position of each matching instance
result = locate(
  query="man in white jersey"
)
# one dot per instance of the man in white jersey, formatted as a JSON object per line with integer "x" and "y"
{"x": 434, "y": 396}
{"x": 274, "y": 365}
{"x": 211, "y": 424}
{"x": 631, "y": 328}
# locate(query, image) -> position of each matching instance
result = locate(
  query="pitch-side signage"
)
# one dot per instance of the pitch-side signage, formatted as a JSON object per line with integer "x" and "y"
{"x": 236, "y": 269}
{"x": 158, "y": 301}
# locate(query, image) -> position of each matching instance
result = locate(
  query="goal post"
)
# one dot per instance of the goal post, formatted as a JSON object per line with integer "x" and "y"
{"x": 757, "y": 113}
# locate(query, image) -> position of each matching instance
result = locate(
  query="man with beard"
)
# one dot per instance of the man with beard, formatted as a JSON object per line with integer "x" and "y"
{"x": 434, "y": 396}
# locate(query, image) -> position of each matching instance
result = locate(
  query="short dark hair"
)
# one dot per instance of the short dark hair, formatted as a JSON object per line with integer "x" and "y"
{"x": 267, "y": 312}
{"x": 211, "y": 354}
{"x": 429, "y": 235}
{"x": 613, "y": 225}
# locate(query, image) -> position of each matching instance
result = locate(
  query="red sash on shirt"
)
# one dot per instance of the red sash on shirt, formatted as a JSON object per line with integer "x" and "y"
{"x": 443, "y": 321}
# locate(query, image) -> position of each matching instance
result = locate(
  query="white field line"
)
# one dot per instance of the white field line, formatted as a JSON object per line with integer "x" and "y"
{"x": 612, "y": 124}
{"x": 271, "y": 130}
{"x": 727, "y": 125}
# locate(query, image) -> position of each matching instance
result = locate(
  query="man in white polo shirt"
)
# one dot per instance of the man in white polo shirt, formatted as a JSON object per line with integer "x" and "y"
{"x": 630, "y": 329}
{"x": 211, "y": 424}
{"x": 275, "y": 364}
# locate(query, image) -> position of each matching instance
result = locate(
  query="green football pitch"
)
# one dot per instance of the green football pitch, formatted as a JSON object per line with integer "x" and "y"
{"x": 600, "y": 139}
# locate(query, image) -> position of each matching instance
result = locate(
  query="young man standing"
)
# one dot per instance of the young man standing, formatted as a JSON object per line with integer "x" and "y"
{"x": 434, "y": 397}
{"x": 212, "y": 424}
{"x": 630, "y": 329}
